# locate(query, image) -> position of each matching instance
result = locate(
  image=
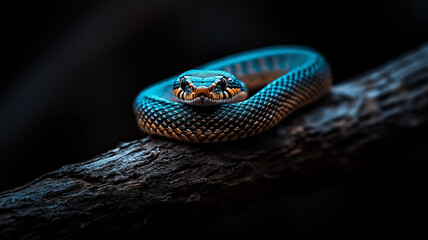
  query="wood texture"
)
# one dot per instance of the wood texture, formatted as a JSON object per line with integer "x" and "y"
{"x": 147, "y": 184}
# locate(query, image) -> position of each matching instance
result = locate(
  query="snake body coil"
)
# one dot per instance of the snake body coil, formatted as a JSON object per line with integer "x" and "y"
{"x": 289, "y": 77}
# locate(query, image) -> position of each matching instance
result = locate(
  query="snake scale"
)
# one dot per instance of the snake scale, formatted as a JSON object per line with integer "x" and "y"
{"x": 208, "y": 104}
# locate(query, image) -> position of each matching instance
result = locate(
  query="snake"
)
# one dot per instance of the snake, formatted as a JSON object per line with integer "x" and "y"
{"x": 234, "y": 97}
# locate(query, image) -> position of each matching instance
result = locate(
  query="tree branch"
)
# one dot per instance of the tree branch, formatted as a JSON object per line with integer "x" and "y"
{"x": 154, "y": 180}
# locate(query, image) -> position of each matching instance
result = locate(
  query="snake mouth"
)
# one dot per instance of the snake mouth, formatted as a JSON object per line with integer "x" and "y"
{"x": 203, "y": 100}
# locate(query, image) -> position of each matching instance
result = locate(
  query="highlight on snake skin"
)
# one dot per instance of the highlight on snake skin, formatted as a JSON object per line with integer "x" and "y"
{"x": 235, "y": 97}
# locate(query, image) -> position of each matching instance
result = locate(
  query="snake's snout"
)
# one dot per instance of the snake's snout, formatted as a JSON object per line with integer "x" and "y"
{"x": 202, "y": 91}
{"x": 202, "y": 94}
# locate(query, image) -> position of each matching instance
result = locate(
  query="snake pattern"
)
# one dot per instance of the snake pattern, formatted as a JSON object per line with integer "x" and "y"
{"x": 279, "y": 80}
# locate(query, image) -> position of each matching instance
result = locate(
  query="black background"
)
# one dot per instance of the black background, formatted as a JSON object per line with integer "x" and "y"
{"x": 71, "y": 70}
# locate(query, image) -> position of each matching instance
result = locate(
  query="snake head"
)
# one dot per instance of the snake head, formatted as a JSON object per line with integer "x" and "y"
{"x": 208, "y": 87}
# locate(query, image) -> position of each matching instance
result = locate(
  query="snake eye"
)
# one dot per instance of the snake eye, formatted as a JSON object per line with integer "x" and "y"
{"x": 183, "y": 83}
{"x": 223, "y": 83}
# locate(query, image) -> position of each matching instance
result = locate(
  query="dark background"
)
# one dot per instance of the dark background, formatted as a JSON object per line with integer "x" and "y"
{"x": 71, "y": 70}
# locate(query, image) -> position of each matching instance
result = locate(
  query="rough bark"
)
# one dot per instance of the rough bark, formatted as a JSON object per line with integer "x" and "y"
{"x": 155, "y": 181}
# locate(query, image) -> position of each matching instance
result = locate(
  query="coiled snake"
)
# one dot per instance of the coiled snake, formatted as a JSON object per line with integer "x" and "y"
{"x": 208, "y": 105}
